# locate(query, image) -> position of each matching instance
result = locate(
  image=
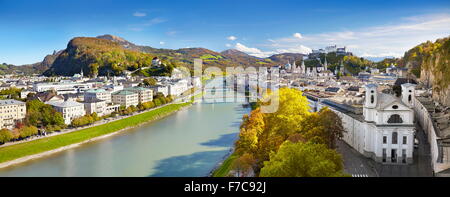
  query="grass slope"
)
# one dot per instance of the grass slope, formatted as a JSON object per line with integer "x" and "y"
{"x": 12, "y": 152}
{"x": 225, "y": 168}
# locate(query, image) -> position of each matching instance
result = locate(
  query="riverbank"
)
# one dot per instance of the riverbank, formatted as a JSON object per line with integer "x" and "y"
{"x": 223, "y": 168}
{"x": 22, "y": 152}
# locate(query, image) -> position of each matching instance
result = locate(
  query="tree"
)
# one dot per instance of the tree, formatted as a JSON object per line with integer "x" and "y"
{"x": 260, "y": 134}
{"x": 150, "y": 81}
{"x": 40, "y": 114}
{"x": 251, "y": 128}
{"x": 5, "y": 136}
{"x": 303, "y": 160}
{"x": 322, "y": 127}
{"x": 28, "y": 131}
{"x": 243, "y": 165}
{"x": 293, "y": 108}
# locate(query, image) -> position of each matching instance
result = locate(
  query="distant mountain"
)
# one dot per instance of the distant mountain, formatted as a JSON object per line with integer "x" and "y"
{"x": 29, "y": 69}
{"x": 119, "y": 40}
{"x": 109, "y": 54}
{"x": 378, "y": 59}
{"x": 234, "y": 52}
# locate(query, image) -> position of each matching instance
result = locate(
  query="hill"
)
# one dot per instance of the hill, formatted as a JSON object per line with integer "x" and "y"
{"x": 352, "y": 64}
{"x": 429, "y": 62}
{"x": 108, "y": 54}
{"x": 97, "y": 56}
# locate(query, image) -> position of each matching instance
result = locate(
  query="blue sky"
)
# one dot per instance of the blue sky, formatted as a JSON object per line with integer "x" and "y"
{"x": 32, "y": 29}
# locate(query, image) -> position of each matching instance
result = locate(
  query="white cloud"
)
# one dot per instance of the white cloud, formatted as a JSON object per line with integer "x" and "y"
{"x": 154, "y": 21}
{"x": 377, "y": 41}
{"x": 228, "y": 45}
{"x": 171, "y": 33}
{"x": 232, "y": 38}
{"x": 142, "y": 26}
{"x": 162, "y": 43}
{"x": 298, "y": 35}
{"x": 253, "y": 51}
{"x": 139, "y": 14}
{"x": 298, "y": 49}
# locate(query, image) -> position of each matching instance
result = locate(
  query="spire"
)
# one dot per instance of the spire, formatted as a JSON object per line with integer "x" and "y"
{"x": 325, "y": 64}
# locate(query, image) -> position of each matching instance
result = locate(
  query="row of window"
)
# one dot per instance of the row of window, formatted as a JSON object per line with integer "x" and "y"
{"x": 394, "y": 139}
{"x": 394, "y": 156}
{"x": 9, "y": 111}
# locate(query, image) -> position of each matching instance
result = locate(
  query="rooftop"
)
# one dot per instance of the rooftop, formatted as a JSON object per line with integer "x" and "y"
{"x": 95, "y": 91}
{"x": 123, "y": 92}
{"x": 68, "y": 103}
{"x": 10, "y": 102}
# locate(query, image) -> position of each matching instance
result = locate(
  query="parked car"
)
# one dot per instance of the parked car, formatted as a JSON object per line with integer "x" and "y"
{"x": 416, "y": 143}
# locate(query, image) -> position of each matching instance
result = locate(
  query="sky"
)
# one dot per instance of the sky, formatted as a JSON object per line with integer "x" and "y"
{"x": 29, "y": 30}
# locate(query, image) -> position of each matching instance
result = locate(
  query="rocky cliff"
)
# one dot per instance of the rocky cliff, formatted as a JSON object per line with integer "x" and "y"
{"x": 430, "y": 62}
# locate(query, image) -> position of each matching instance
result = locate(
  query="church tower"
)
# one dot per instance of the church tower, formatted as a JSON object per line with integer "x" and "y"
{"x": 369, "y": 110}
{"x": 325, "y": 64}
{"x": 408, "y": 91}
{"x": 303, "y": 67}
{"x": 294, "y": 66}
{"x": 342, "y": 68}
{"x": 371, "y": 96}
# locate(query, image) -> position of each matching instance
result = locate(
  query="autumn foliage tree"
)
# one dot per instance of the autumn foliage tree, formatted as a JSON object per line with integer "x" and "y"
{"x": 5, "y": 136}
{"x": 262, "y": 134}
{"x": 303, "y": 160}
{"x": 322, "y": 127}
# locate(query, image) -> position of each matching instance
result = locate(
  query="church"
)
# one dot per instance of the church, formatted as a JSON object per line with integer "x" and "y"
{"x": 385, "y": 129}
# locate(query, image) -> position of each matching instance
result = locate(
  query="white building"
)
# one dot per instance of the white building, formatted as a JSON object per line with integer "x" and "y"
{"x": 196, "y": 81}
{"x": 331, "y": 49}
{"x": 156, "y": 62}
{"x": 61, "y": 88}
{"x": 97, "y": 94}
{"x": 70, "y": 109}
{"x": 177, "y": 87}
{"x": 11, "y": 111}
{"x": 385, "y": 131}
{"x": 144, "y": 94}
{"x": 125, "y": 98}
{"x": 164, "y": 89}
{"x": 100, "y": 107}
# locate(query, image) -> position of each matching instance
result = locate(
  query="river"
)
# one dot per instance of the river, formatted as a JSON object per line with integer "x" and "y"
{"x": 188, "y": 143}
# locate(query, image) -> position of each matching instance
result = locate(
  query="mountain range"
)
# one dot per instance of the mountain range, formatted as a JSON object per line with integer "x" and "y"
{"x": 88, "y": 53}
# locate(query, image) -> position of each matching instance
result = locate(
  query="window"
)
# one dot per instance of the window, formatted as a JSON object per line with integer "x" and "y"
{"x": 394, "y": 137}
{"x": 372, "y": 99}
{"x": 395, "y": 119}
{"x": 405, "y": 139}
{"x": 395, "y": 107}
{"x": 384, "y": 155}
{"x": 384, "y": 139}
{"x": 409, "y": 98}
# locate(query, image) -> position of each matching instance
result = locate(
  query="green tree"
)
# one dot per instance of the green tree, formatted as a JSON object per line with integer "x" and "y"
{"x": 5, "y": 136}
{"x": 28, "y": 131}
{"x": 303, "y": 160}
{"x": 150, "y": 81}
{"x": 322, "y": 127}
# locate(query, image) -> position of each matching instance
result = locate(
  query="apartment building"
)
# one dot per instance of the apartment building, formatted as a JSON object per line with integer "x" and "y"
{"x": 11, "y": 111}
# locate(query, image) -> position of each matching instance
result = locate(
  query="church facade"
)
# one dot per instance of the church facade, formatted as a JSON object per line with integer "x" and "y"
{"x": 385, "y": 129}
